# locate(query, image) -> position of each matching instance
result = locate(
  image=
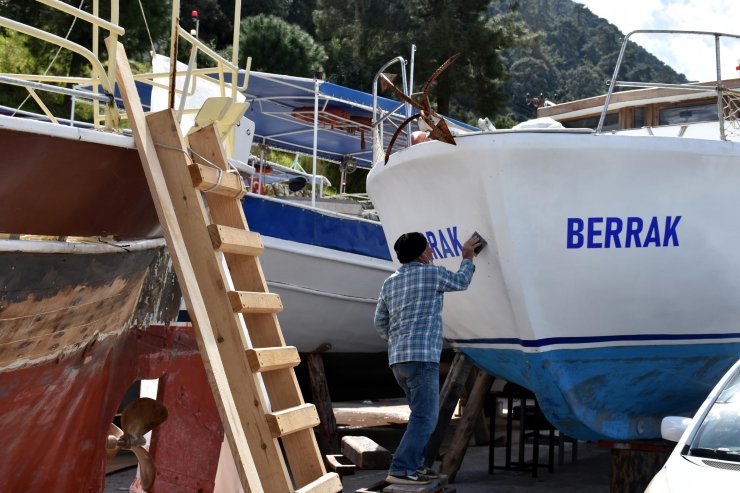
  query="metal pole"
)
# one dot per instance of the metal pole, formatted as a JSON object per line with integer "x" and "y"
{"x": 173, "y": 49}
{"x": 720, "y": 106}
{"x": 316, "y": 82}
{"x": 411, "y": 91}
{"x": 188, "y": 75}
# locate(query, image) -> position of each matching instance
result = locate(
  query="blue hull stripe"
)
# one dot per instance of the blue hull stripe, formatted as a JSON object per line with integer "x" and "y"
{"x": 550, "y": 341}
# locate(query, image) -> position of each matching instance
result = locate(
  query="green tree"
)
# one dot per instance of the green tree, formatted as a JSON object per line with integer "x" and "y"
{"x": 361, "y": 35}
{"x": 279, "y": 47}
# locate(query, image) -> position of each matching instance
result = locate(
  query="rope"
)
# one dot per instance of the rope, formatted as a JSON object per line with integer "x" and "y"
{"x": 151, "y": 42}
{"x": 189, "y": 152}
{"x": 59, "y": 50}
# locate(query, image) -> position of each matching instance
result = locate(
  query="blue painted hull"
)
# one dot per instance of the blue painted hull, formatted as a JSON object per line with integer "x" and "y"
{"x": 616, "y": 393}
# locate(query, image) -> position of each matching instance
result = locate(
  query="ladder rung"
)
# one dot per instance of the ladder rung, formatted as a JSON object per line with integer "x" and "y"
{"x": 234, "y": 240}
{"x": 273, "y": 358}
{"x": 246, "y": 302}
{"x": 328, "y": 483}
{"x": 205, "y": 179}
{"x": 293, "y": 419}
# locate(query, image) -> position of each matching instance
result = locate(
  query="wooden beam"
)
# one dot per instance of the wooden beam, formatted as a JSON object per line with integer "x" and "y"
{"x": 234, "y": 240}
{"x": 292, "y": 419}
{"x": 274, "y": 358}
{"x": 245, "y": 302}
{"x": 328, "y": 436}
{"x": 449, "y": 396}
{"x": 229, "y": 409}
{"x": 211, "y": 180}
{"x": 459, "y": 445}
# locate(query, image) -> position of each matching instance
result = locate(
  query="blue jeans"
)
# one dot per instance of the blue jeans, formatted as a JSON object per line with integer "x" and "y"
{"x": 420, "y": 382}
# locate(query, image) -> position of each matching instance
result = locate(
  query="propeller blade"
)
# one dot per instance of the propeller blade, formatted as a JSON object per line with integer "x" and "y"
{"x": 111, "y": 445}
{"x": 146, "y": 467}
{"x": 142, "y": 415}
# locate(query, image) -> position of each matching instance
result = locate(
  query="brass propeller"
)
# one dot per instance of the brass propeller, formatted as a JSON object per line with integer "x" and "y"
{"x": 139, "y": 417}
{"x": 438, "y": 129}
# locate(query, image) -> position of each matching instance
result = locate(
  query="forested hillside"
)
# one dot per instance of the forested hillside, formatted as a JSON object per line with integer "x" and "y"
{"x": 572, "y": 56}
{"x": 508, "y": 48}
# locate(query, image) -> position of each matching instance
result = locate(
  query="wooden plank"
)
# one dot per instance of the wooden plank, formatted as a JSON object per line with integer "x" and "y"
{"x": 246, "y": 302}
{"x": 301, "y": 448}
{"x": 328, "y": 483}
{"x": 271, "y": 359}
{"x": 233, "y": 240}
{"x": 293, "y": 419}
{"x": 459, "y": 445}
{"x": 206, "y": 179}
{"x": 261, "y": 471}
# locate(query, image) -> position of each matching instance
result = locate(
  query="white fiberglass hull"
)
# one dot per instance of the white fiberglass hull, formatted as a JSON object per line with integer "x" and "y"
{"x": 602, "y": 251}
{"x": 329, "y": 296}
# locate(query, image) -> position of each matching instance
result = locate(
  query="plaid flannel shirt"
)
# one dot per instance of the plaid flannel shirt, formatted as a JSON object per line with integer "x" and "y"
{"x": 409, "y": 310}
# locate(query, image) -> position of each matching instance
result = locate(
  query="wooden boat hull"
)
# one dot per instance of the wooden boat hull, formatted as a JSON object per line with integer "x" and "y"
{"x": 65, "y": 181}
{"x": 73, "y": 338}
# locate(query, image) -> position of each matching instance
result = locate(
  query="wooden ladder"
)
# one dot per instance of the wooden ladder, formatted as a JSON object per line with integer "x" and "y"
{"x": 216, "y": 259}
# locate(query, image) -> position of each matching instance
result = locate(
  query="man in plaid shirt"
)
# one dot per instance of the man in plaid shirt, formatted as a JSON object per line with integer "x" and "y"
{"x": 409, "y": 317}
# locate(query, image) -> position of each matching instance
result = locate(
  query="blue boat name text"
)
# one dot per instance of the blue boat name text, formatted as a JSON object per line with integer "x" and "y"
{"x": 615, "y": 232}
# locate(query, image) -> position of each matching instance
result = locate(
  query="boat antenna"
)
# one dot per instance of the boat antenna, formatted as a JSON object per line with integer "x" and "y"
{"x": 146, "y": 25}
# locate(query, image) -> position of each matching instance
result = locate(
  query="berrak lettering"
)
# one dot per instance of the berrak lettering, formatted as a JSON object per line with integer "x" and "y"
{"x": 444, "y": 242}
{"x": 615, "y": 232}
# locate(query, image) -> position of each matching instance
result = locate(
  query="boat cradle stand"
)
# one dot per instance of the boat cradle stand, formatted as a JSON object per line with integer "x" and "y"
{"x": 531, "y": 423}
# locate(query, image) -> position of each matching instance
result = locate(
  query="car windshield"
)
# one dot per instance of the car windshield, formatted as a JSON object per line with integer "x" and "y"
{"x": 718, "y": 435}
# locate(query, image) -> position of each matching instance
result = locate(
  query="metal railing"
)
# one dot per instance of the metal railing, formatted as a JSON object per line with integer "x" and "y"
{"x": 379, "y": 115}
{"x": 100, "y": 77}
{"x": 727, "y": 98}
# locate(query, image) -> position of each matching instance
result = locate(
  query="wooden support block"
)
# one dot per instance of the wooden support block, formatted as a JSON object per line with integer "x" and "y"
{"x": 293, "y": 419}
{"x": 206, "y": 179}
{"x": 246, "y": 302}
{"x": 365, "y": 453}
{"x": 328, "y": 483}
{"x": 273, "y": 358}
{"x": 340, "y": 464}
{"x": 235, "y": 240}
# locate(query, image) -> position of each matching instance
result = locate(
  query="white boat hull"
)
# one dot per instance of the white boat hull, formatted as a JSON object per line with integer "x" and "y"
{"x": 602, "y": 250}
{"x": 329, "y": 296}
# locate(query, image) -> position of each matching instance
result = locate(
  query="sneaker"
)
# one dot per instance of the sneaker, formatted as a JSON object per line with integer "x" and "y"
{"x": 427, "y": 472}
{"x": 408, "y": 479}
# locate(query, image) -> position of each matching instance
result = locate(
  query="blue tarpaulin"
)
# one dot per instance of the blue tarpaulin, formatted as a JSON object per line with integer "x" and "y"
{"x": 282, "y": 108}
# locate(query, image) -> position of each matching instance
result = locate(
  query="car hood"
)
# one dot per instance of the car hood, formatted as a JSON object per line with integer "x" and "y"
{"x": 692, "y": 474}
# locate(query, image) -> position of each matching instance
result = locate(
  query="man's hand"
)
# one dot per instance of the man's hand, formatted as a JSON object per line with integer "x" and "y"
{"x": 468, "y": 249}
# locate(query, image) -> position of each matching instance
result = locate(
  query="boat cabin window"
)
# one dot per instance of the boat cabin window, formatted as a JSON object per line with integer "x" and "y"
{"x": 688, "y": 114}
{"x": 639, "y": 118}
{"x": 611, "y": 122}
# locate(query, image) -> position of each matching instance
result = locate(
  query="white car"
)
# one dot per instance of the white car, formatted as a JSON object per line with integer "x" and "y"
{"x": 707, "y": 455}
